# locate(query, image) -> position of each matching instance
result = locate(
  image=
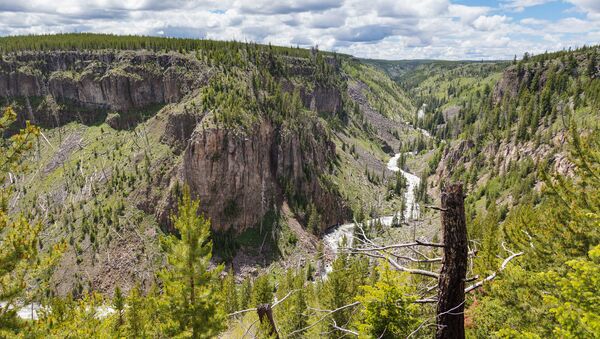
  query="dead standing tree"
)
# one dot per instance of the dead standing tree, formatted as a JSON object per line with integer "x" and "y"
{"x": 451, "y": 283}
{"x": 451, "y": 278}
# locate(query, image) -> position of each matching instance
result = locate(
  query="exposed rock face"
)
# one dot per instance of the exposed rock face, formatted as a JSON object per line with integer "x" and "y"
{"x": 514, "y": 78}
{"x": 321, "y": 99}
{"x": 179, "y": 128}
{"x": 240, "y": 177}
{"x": 98, "y": 81}
{"x": 453, "y": 157}
{"x": 324, "y": 100}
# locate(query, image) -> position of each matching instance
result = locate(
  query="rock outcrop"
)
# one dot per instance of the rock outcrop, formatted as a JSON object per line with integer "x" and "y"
{"x": 239, "y": 177}
{"x": 87, "y": 84}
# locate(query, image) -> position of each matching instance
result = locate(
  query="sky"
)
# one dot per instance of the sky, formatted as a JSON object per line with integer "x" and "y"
{"x": 381, "y": 29}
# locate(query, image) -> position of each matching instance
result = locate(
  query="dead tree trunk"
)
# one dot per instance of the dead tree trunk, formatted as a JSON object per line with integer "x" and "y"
{"x": 451, "y": 293}
{"x": 265, "y": 313}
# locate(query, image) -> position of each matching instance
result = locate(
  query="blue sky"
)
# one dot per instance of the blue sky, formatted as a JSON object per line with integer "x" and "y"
{"x": 384, "y": 29}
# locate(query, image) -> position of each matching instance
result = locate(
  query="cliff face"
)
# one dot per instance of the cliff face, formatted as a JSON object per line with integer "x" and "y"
{"x": 96, "y": 81}
{"x": 240, "y": 177}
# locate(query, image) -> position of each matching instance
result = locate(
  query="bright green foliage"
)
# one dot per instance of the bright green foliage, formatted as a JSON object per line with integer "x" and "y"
{"x": 245, "y": 295}
{"x": 514, "y": 301}
{"x": 192, "y": 299}
{"x": 341, "y": 288}
{"x": 292, "y": 314}
{"x": 564, "y": 226}
{"x": 230, "y": 294}
{"x": 487, "y": 260}
{"x": 135, "y": 314}
{"x": 262, "y": 291}
{"x": 388, "y": 311}
{"x": 118, "y": 304}
{"x": 18, "y": 238}
{"x": 75, "y": 319}
{"x": 576, "y": 302}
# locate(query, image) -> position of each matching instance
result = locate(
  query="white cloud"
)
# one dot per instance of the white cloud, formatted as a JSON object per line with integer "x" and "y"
{"x": 533, "y": 22}
{"x": 489, "y": 23}
{"x": 590, "y": 6}
{"x": 391, "y": 29}
{"x": 520, "y": 5}
{"x": 467, "y": 14}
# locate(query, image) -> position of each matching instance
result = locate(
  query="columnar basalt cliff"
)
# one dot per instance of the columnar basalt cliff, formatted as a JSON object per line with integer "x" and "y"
{"x": 239, "y": 177}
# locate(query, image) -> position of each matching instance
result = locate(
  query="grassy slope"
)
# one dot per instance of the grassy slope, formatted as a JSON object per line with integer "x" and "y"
{"x": 80, "y": 184}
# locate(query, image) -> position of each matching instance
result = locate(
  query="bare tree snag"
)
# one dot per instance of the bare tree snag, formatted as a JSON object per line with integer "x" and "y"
{"x": 451, "y": 284}
{"x": 265, "y": 313}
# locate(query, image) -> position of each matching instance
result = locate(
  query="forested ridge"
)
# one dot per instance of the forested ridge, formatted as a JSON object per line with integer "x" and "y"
{"x": 521, "y": 138}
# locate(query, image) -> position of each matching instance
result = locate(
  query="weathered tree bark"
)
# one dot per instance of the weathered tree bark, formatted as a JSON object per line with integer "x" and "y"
{"x": 451, "y": 293}
{"x": 265, "y": 311}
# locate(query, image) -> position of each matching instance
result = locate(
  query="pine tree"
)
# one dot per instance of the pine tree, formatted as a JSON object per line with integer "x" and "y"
{"x": 245, "y": 294}
{"x": 292, "y": 315}
{"x": 314, "y": 219}
{"x": 190, "y": 287}
{"x": 338, "y": 292}
{"x": 135, "y": 317}
{"x": 389, "y": 311}
{"x": 591, "y": 68}
{"x": 262, "y": 291}
{"x": 19, "y": 239}
{"x": 230, "y": 295}
{"x": 118, "y": 303}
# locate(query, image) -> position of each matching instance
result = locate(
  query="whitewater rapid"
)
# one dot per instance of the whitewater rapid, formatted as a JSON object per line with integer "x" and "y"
{"x": 32, "y": 311}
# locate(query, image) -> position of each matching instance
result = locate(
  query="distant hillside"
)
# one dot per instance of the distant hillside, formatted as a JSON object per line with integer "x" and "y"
{"x": 411, "y": 73}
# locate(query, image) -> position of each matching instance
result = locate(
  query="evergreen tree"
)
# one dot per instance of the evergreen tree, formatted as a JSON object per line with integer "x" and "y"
{"x": 19, "y": 238}
{"x": 118, "y": 304}
{"x": 190, "y": 286}
{"x": 230, "y": 295}
{"x": 591, "y": 68}
{"x": 389, "y": 311}
{"x": 135, "y": 317}
{"x": 341, "y": 287}
{"x": 292, "y": 314}
{"x": 245, "y": 294}
{"x": 262, "y": 291}
{"x": 314, "y": 219}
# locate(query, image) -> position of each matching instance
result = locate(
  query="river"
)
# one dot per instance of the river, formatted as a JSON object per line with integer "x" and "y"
{"x": 412, "y": 211}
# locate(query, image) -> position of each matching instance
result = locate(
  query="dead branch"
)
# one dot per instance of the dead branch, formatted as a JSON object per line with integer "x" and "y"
{"x": 48, "y": 141}
{"x": 425, "y": 301}
{"x": 323, "y": 318}
{"x": 436, "y": 208}
{"x": 434, "y": 317}
{"x": 395, "y": 246}
{"x": 249, "y": 327}
{"x": 335, "y": 325}
{"x": 493, "y": 275}
{"x": 427, "y": 259}
{"x": 254, "y": 308}
{"x": 430, "y": 244}
{"x": 399, "y": 267}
